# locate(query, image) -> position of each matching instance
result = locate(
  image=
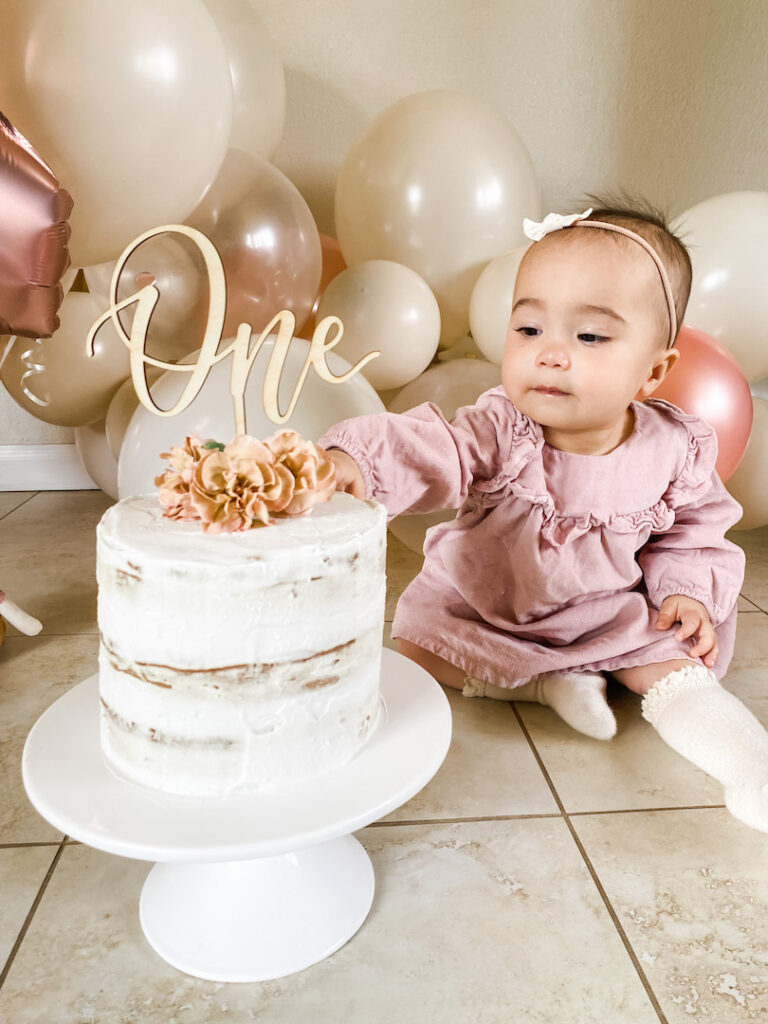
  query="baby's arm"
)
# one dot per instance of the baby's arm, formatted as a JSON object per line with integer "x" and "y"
{"x": 417, "y": 461}
{"x": 692, "y": 570}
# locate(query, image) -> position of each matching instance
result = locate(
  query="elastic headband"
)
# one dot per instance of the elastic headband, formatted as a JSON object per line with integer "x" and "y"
{"x": 536, "y": 230}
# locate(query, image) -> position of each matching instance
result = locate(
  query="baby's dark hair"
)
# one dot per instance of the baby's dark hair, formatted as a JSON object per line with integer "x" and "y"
{"x": 652, "y": 224}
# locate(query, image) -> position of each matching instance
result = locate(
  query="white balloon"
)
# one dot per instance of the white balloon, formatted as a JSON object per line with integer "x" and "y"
{"x": 320, "y": 405}
{"x": 258, "y": 79}
{"x": 727, "y": 238}
{"x": 490, "y": 304}
{"x": 387, "y": 307}
{"x": 449, "y": 385}
{"x": 96, "y": 456}
{"x": 748, "y": 483}
{"x": 440, "y": 182}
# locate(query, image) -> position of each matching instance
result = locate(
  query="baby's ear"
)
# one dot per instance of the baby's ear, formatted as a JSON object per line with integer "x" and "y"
{"x": 661, "y": 367}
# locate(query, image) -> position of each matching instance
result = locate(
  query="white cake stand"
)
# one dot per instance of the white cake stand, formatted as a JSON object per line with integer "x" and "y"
{"x": 247, "y": 888}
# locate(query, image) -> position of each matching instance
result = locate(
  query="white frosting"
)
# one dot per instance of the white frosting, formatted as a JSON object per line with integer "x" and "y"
{"x": 238, "y": 660}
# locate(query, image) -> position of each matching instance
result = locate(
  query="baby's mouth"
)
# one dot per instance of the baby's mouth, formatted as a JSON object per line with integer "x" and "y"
{"x": 543, "y": 390}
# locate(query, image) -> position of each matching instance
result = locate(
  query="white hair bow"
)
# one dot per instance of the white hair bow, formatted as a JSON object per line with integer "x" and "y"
{"x": 552, "y": 222}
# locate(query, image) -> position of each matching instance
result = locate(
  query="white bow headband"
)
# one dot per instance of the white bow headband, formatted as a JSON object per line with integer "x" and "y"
{"x": 536, "y": 230}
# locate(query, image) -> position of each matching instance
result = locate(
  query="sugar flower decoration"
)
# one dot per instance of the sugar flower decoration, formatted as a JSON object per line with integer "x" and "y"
{"x": 536, "y": 230}
{"x": 234, "y": 487}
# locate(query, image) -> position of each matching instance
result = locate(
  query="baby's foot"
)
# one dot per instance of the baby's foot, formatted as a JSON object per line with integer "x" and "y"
{"x": 579, "y": 699}
{"x": 748, "y": 803}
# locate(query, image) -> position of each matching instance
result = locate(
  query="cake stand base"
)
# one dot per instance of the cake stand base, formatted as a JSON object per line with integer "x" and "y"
{"x": 253, "y": 920}
{"x": 252, "y": 886}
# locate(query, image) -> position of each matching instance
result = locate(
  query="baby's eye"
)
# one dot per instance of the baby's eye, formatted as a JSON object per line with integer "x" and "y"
{"x": 528, "y": 332}
{"x": 592, "y": 339}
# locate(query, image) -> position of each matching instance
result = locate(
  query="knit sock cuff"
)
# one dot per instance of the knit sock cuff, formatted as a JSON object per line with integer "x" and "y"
{"x": 682, "y": 680}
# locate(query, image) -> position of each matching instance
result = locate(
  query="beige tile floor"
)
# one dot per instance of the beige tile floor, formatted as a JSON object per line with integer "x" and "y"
{"x": 540, "y": 877}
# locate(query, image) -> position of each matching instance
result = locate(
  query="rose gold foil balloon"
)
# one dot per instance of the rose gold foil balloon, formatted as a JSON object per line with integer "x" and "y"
{"x": 33, "y": 238}
{"x": 267, "y": 239}
{"x": 708, "y": 382}
{"x": 54, "y": 378}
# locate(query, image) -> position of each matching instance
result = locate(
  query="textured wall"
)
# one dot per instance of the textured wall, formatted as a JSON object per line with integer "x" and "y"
{"x": 657, "y": 97}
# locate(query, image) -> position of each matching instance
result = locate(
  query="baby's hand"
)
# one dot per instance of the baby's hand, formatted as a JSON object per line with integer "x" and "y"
{"x": 348, "y": 475}
{"x": 694, "y": 620}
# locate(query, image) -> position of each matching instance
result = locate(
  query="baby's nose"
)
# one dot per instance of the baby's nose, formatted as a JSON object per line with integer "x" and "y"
{"x": 552, "y": 354}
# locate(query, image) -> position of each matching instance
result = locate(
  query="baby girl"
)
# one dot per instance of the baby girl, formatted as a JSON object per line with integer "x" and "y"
{"x": 590, "y": 531}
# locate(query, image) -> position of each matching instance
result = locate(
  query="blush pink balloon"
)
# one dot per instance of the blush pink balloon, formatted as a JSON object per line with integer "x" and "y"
{"x": 33, "y": 238}
{"x": 707, "y": 381}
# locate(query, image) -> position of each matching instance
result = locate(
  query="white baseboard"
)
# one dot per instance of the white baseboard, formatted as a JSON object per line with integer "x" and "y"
{"x": 42, "y": 467}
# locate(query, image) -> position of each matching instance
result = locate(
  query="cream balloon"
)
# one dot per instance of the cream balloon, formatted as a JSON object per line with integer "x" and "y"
{"x": 490, "y": 304}
{"x": 131, "y": 103}
{"x": 267, "y": 239}
{"x": 55, "y": 379}
{"x": 440, "y": 182}
{"x": 177, "y": 270}
{"x": 449, "y": 386}
{"x": 124, "y": 404}
{"x": 387, "y": 307}
{"x": 210, "y": 415}
{"x": 748, "y": 483}
{"x": 258, "y": 79}
{"x": 97, "y": 457}
{"x": 727, "y": 237}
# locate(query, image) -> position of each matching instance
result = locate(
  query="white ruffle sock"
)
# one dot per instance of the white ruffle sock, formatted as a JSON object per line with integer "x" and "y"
{"x": 710, "y": 727}
{"x": 577, "y": 697}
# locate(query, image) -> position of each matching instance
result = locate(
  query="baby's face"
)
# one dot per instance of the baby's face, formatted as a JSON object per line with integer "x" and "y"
{"x": 584, "y": 332}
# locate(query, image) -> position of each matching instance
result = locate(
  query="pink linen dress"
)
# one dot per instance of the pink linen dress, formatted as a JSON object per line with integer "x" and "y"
{"x": 555, "y": 561}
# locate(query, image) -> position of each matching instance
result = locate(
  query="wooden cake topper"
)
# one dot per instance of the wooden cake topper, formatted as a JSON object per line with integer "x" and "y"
{"x": 326, "y": 336}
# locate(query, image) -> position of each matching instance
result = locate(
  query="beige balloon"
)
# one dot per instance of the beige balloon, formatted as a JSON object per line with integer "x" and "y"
{"x": 748, "y": 483}
{"x": 449, "y": 386}
{"x": 131, "y": 104}
{"x": 727, "y": 237}
{"x": 490, "y": 304}
{"x": 55, "y": 380}
{"x": 97, "y": 457}
{"x": 385, "y": 306}
{"x": 439, "y": 182}
{"x": 258, "y": 79}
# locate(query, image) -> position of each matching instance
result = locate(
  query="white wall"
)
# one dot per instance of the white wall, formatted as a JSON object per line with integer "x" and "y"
{"x": 662, "y": 97}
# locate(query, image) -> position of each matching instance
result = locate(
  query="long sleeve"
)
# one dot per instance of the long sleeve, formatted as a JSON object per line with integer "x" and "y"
{"x": 417, "y": 461}
{"x": 693, "y": 558}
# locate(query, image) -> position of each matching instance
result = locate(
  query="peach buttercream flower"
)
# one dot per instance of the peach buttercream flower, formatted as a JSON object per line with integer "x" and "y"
{"x": 315, "y": 480}
{"x": 234, "y": 487}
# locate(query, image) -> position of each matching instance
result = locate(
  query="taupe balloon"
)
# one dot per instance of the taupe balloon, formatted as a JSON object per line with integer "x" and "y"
{"x": 267, "y": 240}
{"x": 178, "y": 272}
{"x": 96, "y": 455}
{"x": 440, "y": 182}
{"x": 748, "y": 483}
{"x": 55, "y": 380}
{"x": 258, "y": 79}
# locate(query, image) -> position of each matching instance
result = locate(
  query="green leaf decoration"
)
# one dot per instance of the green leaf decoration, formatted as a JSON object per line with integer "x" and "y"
{"x": 214, "y": 446}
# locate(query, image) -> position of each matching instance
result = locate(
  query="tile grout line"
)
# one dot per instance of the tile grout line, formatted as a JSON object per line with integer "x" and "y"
{"x": 592, "y": 871}
{"x": 28, "y": 921}
{"x": 20, "y": 505}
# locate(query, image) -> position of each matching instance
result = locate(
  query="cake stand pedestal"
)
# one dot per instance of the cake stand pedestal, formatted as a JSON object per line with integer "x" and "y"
{"x": 252, "y": 887}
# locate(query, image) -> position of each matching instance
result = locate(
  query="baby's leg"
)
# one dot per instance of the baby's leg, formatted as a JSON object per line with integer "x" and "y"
{"x": 692, "y": 712}
{"x": 578, "y": 697}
